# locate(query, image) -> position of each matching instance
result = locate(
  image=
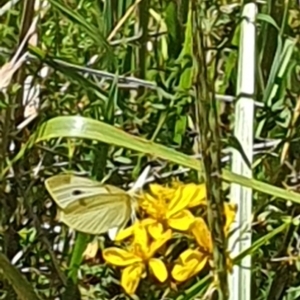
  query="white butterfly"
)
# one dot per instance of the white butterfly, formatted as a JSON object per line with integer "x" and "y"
{"x": 92, "y": 207}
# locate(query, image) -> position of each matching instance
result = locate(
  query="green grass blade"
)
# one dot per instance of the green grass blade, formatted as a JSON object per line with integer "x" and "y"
{"x": 22, "y": 287}
{"x": 85, "y": 128}
{"x": 260, "y": 242}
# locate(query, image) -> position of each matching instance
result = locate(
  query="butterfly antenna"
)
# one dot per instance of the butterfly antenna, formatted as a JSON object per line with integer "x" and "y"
{"x": 141, "y": 180}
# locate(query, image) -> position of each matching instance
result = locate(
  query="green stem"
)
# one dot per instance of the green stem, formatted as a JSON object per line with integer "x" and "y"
{"x": 80, "y": 245}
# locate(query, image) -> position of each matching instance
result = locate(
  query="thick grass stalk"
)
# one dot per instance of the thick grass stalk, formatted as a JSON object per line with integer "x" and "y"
{"x": 211, "y": 152}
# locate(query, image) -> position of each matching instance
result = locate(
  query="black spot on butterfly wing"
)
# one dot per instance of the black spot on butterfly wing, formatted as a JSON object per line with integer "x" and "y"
{"x": 73, "y": 206}
{"x": 82, "y": 202}
{"x": 76, "y": 192}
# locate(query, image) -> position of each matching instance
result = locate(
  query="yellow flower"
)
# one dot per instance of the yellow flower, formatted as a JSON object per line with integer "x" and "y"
{"x": 199, "y": 196}
{"x": 191, "y": 261}
{"x": 167, "y": 207}
{"x": 139, "y": 256}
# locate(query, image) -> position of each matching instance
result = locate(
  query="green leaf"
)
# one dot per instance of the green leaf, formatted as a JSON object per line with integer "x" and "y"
{"x": 268, "y": 19}
{"x": 84, "y": 128}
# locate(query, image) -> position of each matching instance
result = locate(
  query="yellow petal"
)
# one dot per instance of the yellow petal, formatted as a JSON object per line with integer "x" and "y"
{"x": 148, "y": 204}
{"x": 147, "y": 199}
{"x": 202, "y": 235}
{"x": 200, "y": 198}
{"x": 155, "y": 230}
{"x": 158, "y": 269}
{"x": 156, "y": 189}
{"x": 161, "y": 191}
{"x": 230, "y": 212}
{"x": 175, "y": 184}
{"x": 131, "y": 277}
{"x": 182, "y": 220}
{"x": 124, "y": 233}
{"x": 190, "y": 263}
{"x": 120, "y": 257}
{"x": 148, "y": 221}
{"x": 183, "y": 196}
{"x": 141, "y": 237}
{"x": 156, "y": 244}
{"x": 129, "y": 231}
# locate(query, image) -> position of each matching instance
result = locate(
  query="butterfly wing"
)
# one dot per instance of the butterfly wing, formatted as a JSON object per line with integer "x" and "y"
{"x": 89, "y": 206}
{"x": 68, "y": 189}
{"x": 97, "y": 216}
